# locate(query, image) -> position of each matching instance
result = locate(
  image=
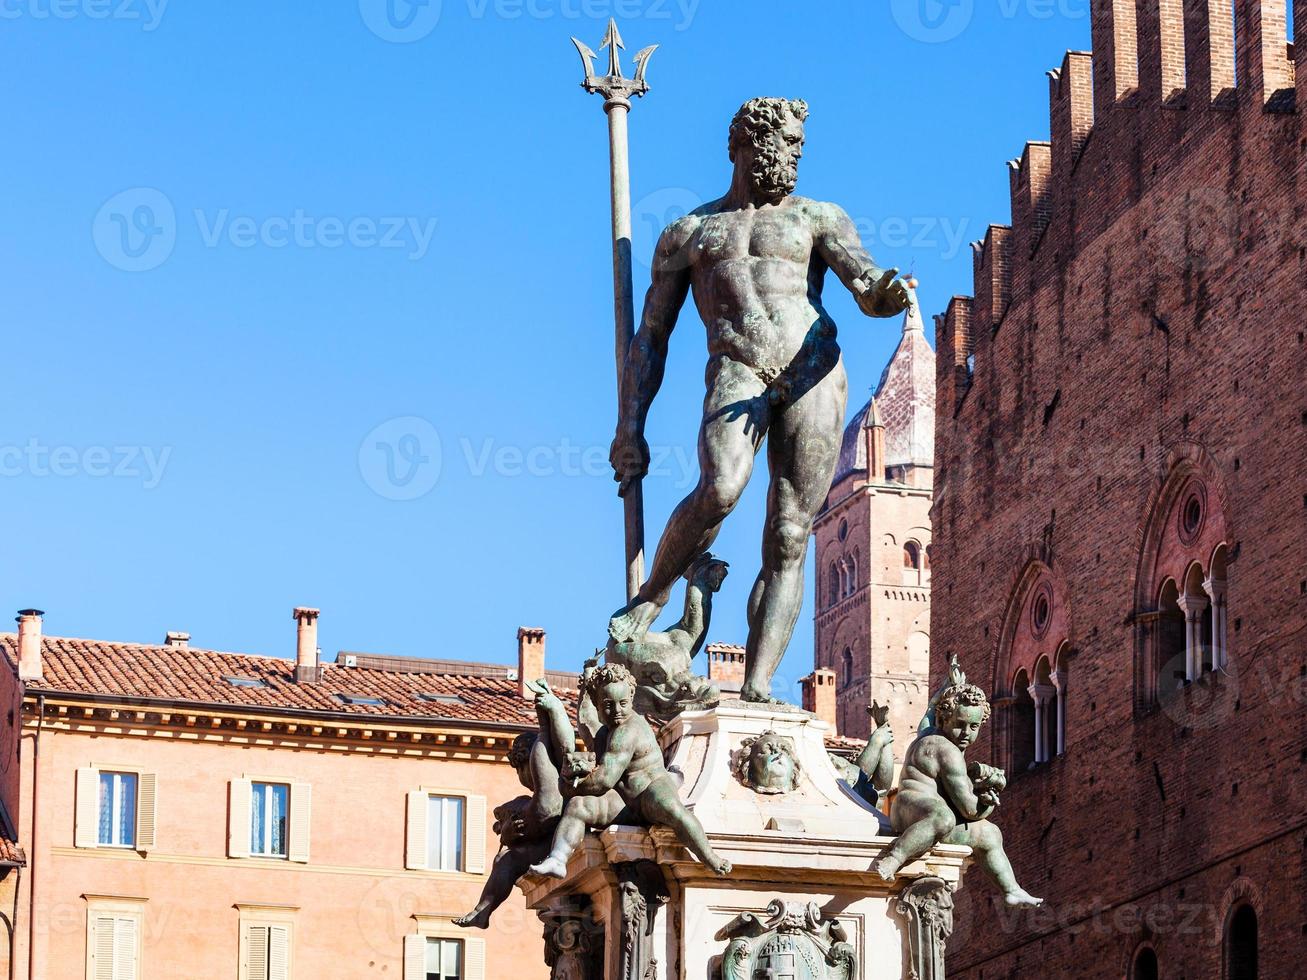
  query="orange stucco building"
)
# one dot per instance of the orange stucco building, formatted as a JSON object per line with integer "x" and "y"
{"x": 181, "y": 813}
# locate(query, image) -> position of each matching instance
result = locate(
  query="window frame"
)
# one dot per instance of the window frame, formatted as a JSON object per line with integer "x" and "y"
{"x": 116, "y": 777}
{"x": 268, "y": 803}
{"x": 440, "y": 942}
{"x": 440, "y": 833}
{"x": 265, "y": 917}
{"x": 119, "y": 907}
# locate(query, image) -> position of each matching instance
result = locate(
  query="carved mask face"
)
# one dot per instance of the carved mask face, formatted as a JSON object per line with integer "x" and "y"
{"x": 770, "y": 764}
{"x": 614, "y": 704}
{"x": 962, "y": 727}
{"x": 774, "y": 166}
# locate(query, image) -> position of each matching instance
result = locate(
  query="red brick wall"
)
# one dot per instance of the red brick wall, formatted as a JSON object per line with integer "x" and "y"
{"x": 1152, "y": 333}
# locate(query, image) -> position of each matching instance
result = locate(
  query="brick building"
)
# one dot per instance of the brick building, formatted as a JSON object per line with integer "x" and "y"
{"x": 872, "y": 623}
{"x": 193, "y": 814}
{"x": 1120, "y": 503}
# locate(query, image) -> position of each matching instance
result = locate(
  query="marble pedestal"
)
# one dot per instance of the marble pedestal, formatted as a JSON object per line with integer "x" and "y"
{"x": 802, "y": 902}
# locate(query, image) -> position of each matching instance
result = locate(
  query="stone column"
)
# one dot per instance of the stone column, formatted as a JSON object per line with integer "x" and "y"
{"x": 1215, "y": 589}
{"x": 928, "y": 906}
{"x": 1193, "y": 606}
{"x": 1059, "y": 682}
{"x": 1044, "y": 695}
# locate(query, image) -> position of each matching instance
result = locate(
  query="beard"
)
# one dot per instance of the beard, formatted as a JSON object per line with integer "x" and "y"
{"x": 774, "y": 174}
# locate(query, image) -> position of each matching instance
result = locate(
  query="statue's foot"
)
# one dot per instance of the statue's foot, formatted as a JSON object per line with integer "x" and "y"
{"x": 758, "y": 695}
{"x": 478, "y": 918}
{"x": 550, "y": 867}
{"x": 719, "y": 864}
{"x": 633, "y": 622}
{"x": 886, "y": 867}
{"x": 1022, "y": 898}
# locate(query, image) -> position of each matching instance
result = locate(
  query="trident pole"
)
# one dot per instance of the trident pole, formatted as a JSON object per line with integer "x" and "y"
{"x": 617, "y": 91}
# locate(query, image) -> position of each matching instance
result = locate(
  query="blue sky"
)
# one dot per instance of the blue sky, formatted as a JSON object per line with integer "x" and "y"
{"x": 309, "y": 303}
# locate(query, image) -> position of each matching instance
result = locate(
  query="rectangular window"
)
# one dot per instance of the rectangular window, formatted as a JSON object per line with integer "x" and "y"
{"x": 445, "y": 833}
{"x": 269, "y": 806}
{"x": 117, "y": 811}
{"x": 113, "y": 939}
{"x": 444, "y": 959}
{"x": 265, "y": 953}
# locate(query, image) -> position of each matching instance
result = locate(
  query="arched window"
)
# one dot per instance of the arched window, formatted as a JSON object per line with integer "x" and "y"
{"x": 1145, "y": 965}
{"x": 1023, "y": 724}
{"x": 1241, "y": 944}
{"x": 1170, "y": 664}
{"x": 1215, "y": 588}
{"x": 853, "y": 572}
{"x": 848, "y": 667}
{"x": 832, "y": 585}
{"x": 1044, "y": 695}
{"x": 911, "y": 563}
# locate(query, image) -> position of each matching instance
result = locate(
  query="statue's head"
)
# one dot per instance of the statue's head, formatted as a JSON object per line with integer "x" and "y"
{"x": 611, "y": 687}
{"x": 960, "y": 712}
{"x": 767, "y": 140}
{"x": 519, "y": 757}
{"x": 768, "y": 763}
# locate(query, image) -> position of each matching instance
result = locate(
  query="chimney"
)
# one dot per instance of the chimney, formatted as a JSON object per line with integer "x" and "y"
{"x": 174, "y": 639}
{"x": 530, "y": 658}
{"x": 726, "y": 667}
{"x": 873, "y": 430}
{"x": 819, "y": 696}
{"x": 306, "y": 645}
{"x": 29, "y": 644}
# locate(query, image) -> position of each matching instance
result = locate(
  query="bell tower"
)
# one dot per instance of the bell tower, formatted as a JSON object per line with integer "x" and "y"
{"x": 872, "y": 625}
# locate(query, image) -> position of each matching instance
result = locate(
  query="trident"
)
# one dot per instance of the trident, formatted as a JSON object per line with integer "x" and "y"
{"x": 617, "y": 91}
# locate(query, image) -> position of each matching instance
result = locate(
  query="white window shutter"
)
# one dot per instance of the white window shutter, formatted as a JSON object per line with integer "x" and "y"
{"x": 256, "y": 953}
{"x": 238, "y": 819}
{"x": 146, "y": 805}
{"x": 102, "y": 966}
{"x": 415, "y": 956}
{"x": 86, "y": 819}
{"x": 415, "y": 838}
{"x": 124, "y": 949}
{"x": 474, "y": 959}
{"x": 278, "y": 953}
{"x": 301, "y": 820}
{"x": 474, "y": 830}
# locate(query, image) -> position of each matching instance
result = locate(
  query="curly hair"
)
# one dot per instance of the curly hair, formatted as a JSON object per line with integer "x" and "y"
{"x": 962, "y": 696}
{"x": 520, "y": 754}
{"x": 758, "y": 117}
{"x": 606, "y": 674}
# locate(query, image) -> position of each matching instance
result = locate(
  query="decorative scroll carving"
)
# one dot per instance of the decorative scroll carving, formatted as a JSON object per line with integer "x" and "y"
{"x": 789, "y": 941}
{"x": 928, "y": 906}
{"x": 642, "y": 892}
{"x": 574, "y": 943}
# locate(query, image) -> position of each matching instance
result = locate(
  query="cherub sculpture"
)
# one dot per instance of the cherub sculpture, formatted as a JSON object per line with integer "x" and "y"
{"x": 767, "y": 763}
{"x": 626, "y": 758}
{"x": 526, "y": 824}
{"x": 660, "y": 662}
{"x": 872, "y": 773}
{"x": 943, "y": 800}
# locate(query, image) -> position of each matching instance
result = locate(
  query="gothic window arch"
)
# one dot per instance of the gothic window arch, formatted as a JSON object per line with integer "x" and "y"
{"x": 911, "y": 563}
{"x": 832, "y": 585}
{"x": 1181, "y": 588}
{"x": 1240, "y": 943}
{"x": 847, "y": 661}
{"x": 1022, "y": 724}
{"x": 1144, "y": 965}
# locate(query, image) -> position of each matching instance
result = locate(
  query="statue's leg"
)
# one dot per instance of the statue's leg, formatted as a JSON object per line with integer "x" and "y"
{"x": 801, "y": 456}
{"x": 986, "y": 841}
{"x": 661, "y": 804}
{"x": 735, "y": 414}
{"x": 510, "y": 864}
{"x": 581, "y": 812}
{"x": 925, "y": 821}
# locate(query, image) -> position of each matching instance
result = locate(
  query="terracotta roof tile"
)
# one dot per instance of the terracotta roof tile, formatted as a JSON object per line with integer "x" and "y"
{"x": 188, "y": 674}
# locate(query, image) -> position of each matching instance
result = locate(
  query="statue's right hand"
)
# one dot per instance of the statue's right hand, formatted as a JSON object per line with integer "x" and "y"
{"x": 629, "y": 457}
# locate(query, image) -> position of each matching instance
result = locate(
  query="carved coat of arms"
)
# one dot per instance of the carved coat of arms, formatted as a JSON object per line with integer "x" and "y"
{"x": 790, "y": 941}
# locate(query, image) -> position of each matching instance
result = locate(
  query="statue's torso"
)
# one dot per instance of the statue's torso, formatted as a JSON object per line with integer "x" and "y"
{"x": 754, "y": 283}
